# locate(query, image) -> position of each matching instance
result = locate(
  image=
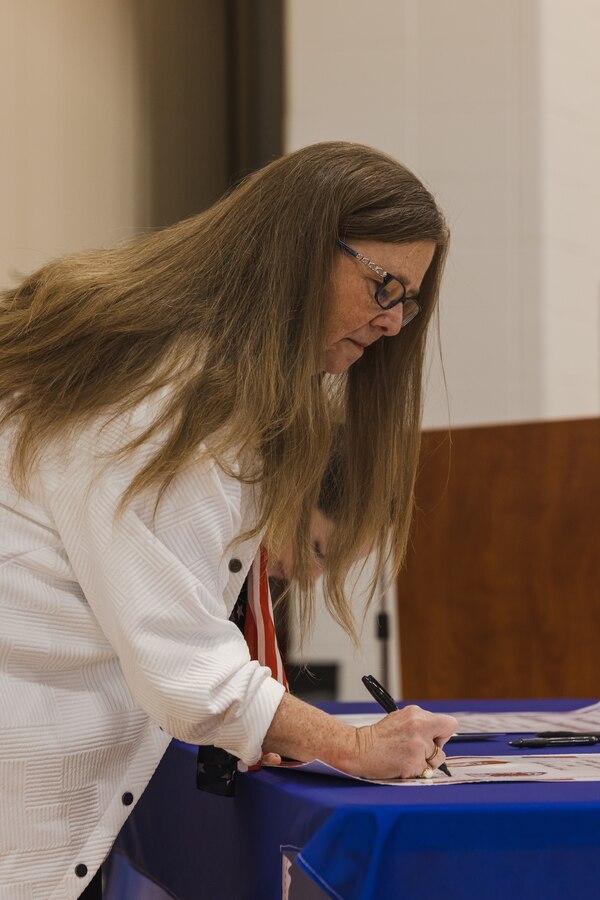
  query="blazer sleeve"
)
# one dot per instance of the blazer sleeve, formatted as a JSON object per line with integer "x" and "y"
{"x": 156, "y": 585}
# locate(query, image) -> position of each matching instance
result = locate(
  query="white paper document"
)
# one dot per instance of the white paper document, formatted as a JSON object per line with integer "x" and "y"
{"x": 585, "y": 720}
{"x": 473, "y": 769}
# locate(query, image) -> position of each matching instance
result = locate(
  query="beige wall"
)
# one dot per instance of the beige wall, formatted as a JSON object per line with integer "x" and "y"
{"x": 72, "y": 168}
{"x": 570, "y": 209}
{"x": 496, "y": 106}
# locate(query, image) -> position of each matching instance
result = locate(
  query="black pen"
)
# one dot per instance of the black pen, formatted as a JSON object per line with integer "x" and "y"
{"x": 583, "y": 741}
{"x": 388, "y": 704}
{"x": 557, "y": 734}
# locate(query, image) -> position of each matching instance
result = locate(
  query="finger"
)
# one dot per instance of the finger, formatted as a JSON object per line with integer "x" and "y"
{"x": 437, "y": 761}
{"x": 438, "y": 725}
{"x": 435, "y": 750}
{"x": 271, "y": 759}
{"x": 444, "y": 728}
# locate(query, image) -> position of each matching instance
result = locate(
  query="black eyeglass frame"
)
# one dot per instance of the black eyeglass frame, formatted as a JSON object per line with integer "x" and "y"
{"x": 387, "y": 278}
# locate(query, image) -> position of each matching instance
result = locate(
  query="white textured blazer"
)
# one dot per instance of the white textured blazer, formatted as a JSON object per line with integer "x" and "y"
{"x": 114, "y": 636}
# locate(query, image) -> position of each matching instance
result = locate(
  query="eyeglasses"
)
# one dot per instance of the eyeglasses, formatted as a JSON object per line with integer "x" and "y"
{"x": 390, "y": 291}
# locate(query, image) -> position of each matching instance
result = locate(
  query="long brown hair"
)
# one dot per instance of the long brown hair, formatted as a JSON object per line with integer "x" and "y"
{"x": 227, "y": 309}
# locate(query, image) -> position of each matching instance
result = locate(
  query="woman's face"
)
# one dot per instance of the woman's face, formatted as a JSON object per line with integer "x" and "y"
{"x": 320, "y": 533}
{"x": 355, "y": 320}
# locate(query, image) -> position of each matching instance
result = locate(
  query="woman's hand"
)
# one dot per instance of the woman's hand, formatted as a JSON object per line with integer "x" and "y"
{"x": 401, "y": 745}
{"x": 271, "y": 759}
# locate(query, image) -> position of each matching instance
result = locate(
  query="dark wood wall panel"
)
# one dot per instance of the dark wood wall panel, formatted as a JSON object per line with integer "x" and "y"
{"x": 500, "y": 596}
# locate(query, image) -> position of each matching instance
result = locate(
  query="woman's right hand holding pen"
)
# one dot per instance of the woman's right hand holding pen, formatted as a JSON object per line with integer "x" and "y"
{"x": 402, "y": 745}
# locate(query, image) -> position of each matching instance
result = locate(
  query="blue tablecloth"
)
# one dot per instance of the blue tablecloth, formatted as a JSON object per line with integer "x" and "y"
{"x": 368, "y": 841}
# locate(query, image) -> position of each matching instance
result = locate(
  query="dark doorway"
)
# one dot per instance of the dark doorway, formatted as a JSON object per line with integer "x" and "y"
{"x": 212, "y": 82}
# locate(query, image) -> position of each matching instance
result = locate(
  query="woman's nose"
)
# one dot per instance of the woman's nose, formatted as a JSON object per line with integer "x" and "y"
{"x": 389, "y": 320}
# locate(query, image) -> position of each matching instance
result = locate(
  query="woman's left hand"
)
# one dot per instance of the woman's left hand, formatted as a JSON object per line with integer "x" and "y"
{"x": 271, "y": 759}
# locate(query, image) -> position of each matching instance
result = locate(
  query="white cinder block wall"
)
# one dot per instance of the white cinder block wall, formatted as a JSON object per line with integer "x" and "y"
{"x": 497, "y": 107}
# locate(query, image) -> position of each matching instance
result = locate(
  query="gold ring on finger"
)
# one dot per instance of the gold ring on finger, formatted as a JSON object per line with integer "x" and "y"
{"x": 427, "y": 772}
{"x": 429, "y": 759}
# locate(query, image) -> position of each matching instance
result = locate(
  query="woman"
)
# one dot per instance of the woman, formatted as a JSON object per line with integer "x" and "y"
{"x": 167, "y": 406}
